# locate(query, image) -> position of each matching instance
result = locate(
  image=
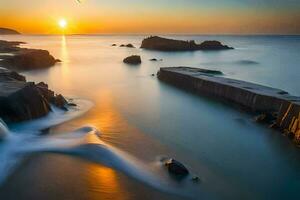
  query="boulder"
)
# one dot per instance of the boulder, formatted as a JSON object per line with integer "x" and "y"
{"x": 176, "y": 167}
{"x": 113, "y": 45}
{"x": 133, "y": 60}
{"x": 153, "y": 59}
{"x": 165, "y": 44}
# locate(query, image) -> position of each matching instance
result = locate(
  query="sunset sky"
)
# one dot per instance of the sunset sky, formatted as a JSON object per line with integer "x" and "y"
{"x": 153, "y": 16}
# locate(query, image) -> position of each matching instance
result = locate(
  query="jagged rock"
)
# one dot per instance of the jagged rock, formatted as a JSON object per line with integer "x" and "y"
{"x": 20, "y": 101}
{"x": 164, "y": 44}
{"x": 59, "y": 101}
{"x": 134, "y": 60}
{"x": 8, "y": 31}
{"x": 176, "y": 167}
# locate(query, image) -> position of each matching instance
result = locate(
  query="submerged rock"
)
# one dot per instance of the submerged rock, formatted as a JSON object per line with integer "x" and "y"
{"x": 153, "y": 59}
{"x": 195, "y": 179}
{"x": 165, "y": 44}
{"x": 134, "y": 60}
{"x": 176, "y": 167}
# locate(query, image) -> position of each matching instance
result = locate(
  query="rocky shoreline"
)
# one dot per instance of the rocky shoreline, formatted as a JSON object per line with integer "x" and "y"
{"x": 258, "y": 99}
{"x": 21, "y": 59}
{"x": 21, "y": 100}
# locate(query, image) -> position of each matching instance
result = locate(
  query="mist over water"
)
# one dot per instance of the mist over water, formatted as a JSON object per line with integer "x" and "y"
{"x": 137, "y": 114}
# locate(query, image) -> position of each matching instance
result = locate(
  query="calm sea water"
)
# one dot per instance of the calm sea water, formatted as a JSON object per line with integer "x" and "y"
{"x": 234, "y": 157}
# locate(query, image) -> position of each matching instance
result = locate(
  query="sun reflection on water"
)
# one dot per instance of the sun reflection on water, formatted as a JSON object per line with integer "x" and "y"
{"x": 104, "y": 181}
{"x": 65, "y": 69}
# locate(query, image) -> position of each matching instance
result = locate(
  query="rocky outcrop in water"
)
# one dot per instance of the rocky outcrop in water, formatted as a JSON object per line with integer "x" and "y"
{"x": 8, "y": 31}
{"x": 127, "y": 45}
{"x": 176, "y": 167}
{"x": 165, "y": 44}
{"x": 21, "y": 100}
{"x": 24, "y": 59}
{"x": 133, "y": 60}
{"x": 277, "y": 107}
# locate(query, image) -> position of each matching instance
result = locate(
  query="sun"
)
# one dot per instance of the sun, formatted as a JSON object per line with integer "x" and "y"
{"x": 62, "y": 23}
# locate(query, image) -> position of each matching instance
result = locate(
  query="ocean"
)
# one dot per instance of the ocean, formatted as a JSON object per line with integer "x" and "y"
{"x": 110, "y": 147}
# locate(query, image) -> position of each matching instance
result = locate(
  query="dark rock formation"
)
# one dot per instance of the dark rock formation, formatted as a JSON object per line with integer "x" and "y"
{"x": 29, "y": 59}
{"x": 24, "y": 59}
{"x": 8, "y": 31}
{"x": 164, "y": 44}
{"x": 267, "y": 118}
{"x": 72, "y": 104}
{"x": 113, "y": 45}
{"x": 127, "y": 45}
{"x": 195, "y": 179}
{"x": 133, "y": 60}
{"x": 176, "y": 167}
{"x": 153, "y": 59}
{"x": 9, "y": 47}
{"x": 253, "y": 97}
{"x": 21, "y": 100}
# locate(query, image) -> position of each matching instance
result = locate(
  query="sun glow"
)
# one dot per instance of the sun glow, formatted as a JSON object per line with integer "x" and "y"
{"x": 62, "y": 23}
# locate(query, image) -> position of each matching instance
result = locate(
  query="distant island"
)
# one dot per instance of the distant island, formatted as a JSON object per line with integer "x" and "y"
{"x": 8, "y": 31}
{"x": 165, "y": 44}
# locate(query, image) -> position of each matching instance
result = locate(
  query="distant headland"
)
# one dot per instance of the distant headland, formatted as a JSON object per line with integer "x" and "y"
{"x": 8, "y": 31}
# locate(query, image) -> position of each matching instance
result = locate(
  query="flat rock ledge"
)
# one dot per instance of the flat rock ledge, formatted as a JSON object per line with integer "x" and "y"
{"x": 21, "y": 100}
{"x": 165, "y": 44}
{"x": 253, "y": 97}
{"x": 22, "y": 59}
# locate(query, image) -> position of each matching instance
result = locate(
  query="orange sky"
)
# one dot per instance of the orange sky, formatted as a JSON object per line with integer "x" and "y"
{"x": 132, "y": 16}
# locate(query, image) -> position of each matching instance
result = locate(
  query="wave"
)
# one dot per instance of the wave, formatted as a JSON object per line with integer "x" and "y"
{"x": 85, "y": 143}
